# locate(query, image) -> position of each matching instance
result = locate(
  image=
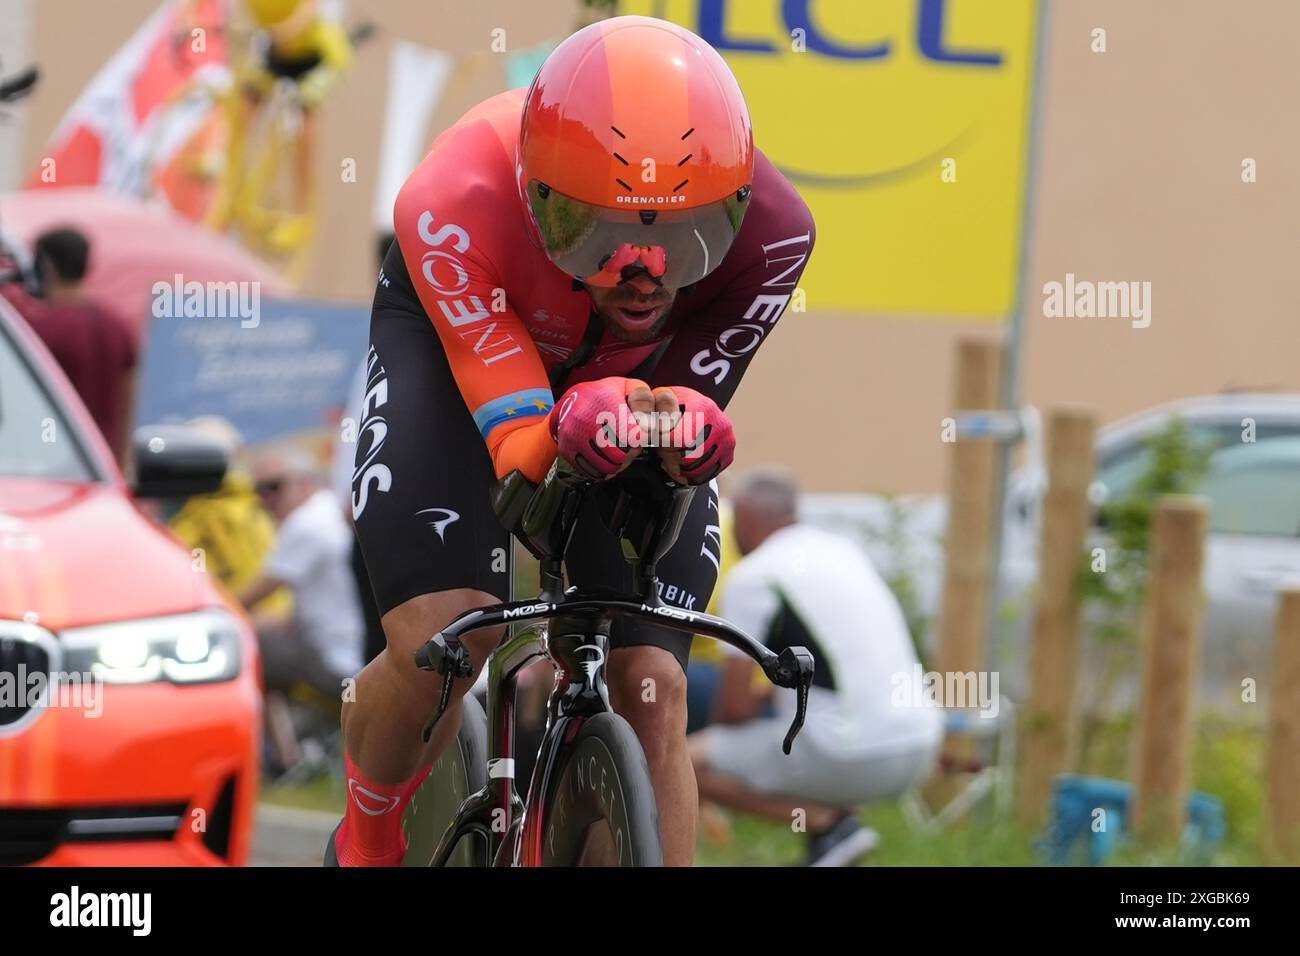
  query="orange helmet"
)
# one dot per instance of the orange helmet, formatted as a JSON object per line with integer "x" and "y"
{"x": 635, "y": 153}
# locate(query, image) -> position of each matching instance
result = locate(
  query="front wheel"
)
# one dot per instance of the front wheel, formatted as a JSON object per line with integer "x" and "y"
{"x": 459, "y": 772}
{"x": 600, "y": 805}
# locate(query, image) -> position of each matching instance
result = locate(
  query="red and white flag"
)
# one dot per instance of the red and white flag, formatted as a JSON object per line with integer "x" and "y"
{"x": 134, "y": 129}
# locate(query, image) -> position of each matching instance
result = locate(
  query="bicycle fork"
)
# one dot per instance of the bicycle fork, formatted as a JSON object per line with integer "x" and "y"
{"x": 497, "y": 815}
{"x": 579, "y": 654}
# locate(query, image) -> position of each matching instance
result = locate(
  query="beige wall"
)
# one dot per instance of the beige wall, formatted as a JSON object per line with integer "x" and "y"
{"x": 1139, "y": 179}
{"x": 353, "y": 121}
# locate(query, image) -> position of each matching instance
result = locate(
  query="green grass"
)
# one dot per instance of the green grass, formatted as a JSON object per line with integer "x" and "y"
{"x": 977, "y": 842}
{"x": 323, "y": 793}
{"x": 1228, "y": 763}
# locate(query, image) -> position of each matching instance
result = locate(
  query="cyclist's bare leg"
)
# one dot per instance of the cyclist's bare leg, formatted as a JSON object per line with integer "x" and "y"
{"x": 647, "y": 687}
{"x": 394, "y": 698}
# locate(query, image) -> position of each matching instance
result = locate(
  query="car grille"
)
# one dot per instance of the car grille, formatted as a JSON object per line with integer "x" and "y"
{"x": 28, "y": 835}
{"x": 19, "y": 659}
{"x": 221, "y": 821}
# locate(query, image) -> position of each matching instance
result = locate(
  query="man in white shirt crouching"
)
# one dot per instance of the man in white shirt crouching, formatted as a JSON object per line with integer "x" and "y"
{"x": 801, "y": 585}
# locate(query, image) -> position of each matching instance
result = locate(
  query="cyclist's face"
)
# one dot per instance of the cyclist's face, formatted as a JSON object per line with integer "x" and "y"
{"x": 635, "y": 310}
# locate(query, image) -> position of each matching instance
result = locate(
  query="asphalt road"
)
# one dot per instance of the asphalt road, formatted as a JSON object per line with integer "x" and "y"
{"x": 288, "y": 837}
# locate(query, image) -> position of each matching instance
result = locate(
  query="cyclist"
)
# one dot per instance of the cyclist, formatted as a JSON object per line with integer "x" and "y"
{"x": 295, "y": 42}
{"x": 604, "y": 245}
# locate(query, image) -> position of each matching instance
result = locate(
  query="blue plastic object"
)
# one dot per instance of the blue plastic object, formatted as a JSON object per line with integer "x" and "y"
{"x": 1070, "y": 837}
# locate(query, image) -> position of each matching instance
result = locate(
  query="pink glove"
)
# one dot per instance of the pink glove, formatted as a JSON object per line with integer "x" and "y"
{"x": 701, "y": 443}
{"x": 595, "y": 429}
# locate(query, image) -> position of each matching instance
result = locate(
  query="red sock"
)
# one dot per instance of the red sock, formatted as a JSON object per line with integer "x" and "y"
{"x": 371, "y": 834}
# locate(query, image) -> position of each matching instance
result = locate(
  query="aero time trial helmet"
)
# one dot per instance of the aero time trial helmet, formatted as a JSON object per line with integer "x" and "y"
{"x": 635, "y": 150}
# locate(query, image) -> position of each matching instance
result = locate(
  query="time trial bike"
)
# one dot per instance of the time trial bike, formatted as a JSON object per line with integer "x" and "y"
{"x": 590, "y": 801}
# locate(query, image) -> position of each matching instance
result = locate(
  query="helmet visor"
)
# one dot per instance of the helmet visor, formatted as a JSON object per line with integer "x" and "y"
{"x": 601, "y": 246}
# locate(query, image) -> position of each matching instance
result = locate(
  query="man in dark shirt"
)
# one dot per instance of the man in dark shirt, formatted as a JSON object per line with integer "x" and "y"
{"x": 94, "y": 347}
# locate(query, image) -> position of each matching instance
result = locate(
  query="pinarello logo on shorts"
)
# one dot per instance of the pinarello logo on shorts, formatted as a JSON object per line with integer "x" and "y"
{"x": 439, "y": 518}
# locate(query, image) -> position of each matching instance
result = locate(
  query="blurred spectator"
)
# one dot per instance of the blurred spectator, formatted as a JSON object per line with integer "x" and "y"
{"x": 799, "y": 585}
{"x": 321, "y": 644}
{"x": 95, "y": 348}
{"x": 230, "y": 526}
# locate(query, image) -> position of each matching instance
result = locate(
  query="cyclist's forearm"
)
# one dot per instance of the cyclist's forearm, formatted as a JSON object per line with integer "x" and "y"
{"x": 757, "y": 282}
{"x": 529, "y": 449}
{"x": 713, "y": 355}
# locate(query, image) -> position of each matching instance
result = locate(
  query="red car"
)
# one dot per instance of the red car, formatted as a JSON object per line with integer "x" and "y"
{"x": 130, "y": 701}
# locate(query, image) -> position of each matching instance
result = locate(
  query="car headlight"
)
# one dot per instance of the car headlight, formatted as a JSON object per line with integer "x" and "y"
{"x": 180, "y": 648}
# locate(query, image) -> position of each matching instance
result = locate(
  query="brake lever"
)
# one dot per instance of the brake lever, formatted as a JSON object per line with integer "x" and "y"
{"x": 450, "y": 659}
{"x": 794, "y": 668}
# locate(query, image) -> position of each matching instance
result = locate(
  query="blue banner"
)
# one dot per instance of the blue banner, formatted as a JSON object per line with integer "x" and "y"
{"x": 283, "y": 373}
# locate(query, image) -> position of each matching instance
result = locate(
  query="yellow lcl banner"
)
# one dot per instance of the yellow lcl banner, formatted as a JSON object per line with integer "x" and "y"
{"x": 904, "y": 124}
